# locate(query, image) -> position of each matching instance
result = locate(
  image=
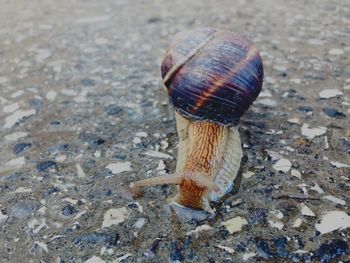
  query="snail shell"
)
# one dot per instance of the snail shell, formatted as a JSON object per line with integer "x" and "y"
{"x": 212, "y": 77}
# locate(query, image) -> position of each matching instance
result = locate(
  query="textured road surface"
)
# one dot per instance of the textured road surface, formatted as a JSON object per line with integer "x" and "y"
{"x": 83, "y": 112}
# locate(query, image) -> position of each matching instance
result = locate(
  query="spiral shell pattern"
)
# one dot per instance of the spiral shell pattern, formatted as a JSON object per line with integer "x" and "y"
{"x": 212, "y": 75}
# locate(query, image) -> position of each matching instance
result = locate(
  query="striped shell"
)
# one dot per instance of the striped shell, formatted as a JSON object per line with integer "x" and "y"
{"x": 212, "y": 75}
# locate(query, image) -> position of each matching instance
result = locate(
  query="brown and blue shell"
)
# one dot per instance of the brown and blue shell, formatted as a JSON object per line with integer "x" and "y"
{"x": 212, "y": 75}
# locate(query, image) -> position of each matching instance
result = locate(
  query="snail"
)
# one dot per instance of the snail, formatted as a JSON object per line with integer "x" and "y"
{"x": 212, "y": 77}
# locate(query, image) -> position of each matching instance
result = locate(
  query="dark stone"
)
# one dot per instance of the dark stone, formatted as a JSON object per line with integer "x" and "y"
{"x": 87, "y": 82}
{"x": 154, "y": 20}
{"x": 272, "y": 248}
{"x": 258, "y": 216}
{"x": 292, "y": 93}
{"x": 133, "y": 205}
{"x": 241, "y": 247}
{"x": 331, "y": 250}
{"x": 305, "y": 109}
{"x": 334, "y": 113}
{"x": 20, "y": 147}
{"x": 24, "y": 209}
{"x": 281, "y": 243}
{"x": 91, "y": 139}
{"x": 267, "y": 189}
{"x": 152, "y": 250}
{"x": 176, "y": 253}
{"x": 282, "y": 74}
{"x": 263, "y": 248}
{"x": 43, "y": 166}
{"x": 69, "y": 210}
{"x": 55, "y": 123}
{"x": 101, "y": 239}
{"x": 113, "y": 110}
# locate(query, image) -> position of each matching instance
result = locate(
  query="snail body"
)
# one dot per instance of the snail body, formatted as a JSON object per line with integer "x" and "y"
{"x": 212, "y": 77}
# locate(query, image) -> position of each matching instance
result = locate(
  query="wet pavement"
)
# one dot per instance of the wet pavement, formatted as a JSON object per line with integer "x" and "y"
{"x": 83, "y": 112}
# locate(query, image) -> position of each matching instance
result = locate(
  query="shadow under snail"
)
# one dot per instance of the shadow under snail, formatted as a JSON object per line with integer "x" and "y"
{"x": 212, "y": 77}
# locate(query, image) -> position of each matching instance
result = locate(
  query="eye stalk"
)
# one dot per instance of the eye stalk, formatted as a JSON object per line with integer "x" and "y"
{"x": 212, "y": 77}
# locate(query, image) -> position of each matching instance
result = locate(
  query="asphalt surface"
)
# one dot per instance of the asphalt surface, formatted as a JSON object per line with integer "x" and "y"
{"x": 83, "y": 112}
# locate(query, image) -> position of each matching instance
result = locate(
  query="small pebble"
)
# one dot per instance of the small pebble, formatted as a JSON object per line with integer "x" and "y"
{"x": 119, "y": 167}
{"x": 51, "y": 95}
{"x": 136, "y": 140}
{"x": 141, "y": 134}
{"x": 333, "y": 220}
{"x": 80, "y": 170}
{"x": 311, "y": 133}
{"x": 227, "y": 249}
{"x": 317, "y": 188}
{"x": 70, "y": 200}
{"x": 267, "y": 102}
{"x": 247, "y": 256}
{"x": 199, "y": 229}
{"x": 306, "y": 211}
{"x": 18, "y": 162}
{"x": 158, "y": 155}
{"x": 275, "y": 223}
{"x": 340, "y": 165}
{"x": 10, "y": 108}
{"x": 114, "y": 216}
{"x": 334, "y": 199}
{"x": 295, "y": 173}
{"x": 122, "y": 258}
{"x": 235, "y": 224}
{"x": 15, "y": 136}
{"x": 330, "y": 93}
{"x": 282, "y": 165}
{"x": 161, "y": 166}
{"x": 3, "y": 217}
{"x": 334, "y": 113}
{"x": 164, "y": 145}
{"x": 94, "y": 259}
{"x": 17, "y": 117}
{"x": 140, "y": 223}
{"x": 294, "y": 120}
{"x": 336, "y": 52}
{"x": 297, "y": 223}
{"x": 277, "y": 213}
{"x": 248, "y": 174}
{"x": 42, "y": 245}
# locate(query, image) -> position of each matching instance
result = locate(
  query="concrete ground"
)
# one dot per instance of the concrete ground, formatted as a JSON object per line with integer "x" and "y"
{"x": 83, "y": 112}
